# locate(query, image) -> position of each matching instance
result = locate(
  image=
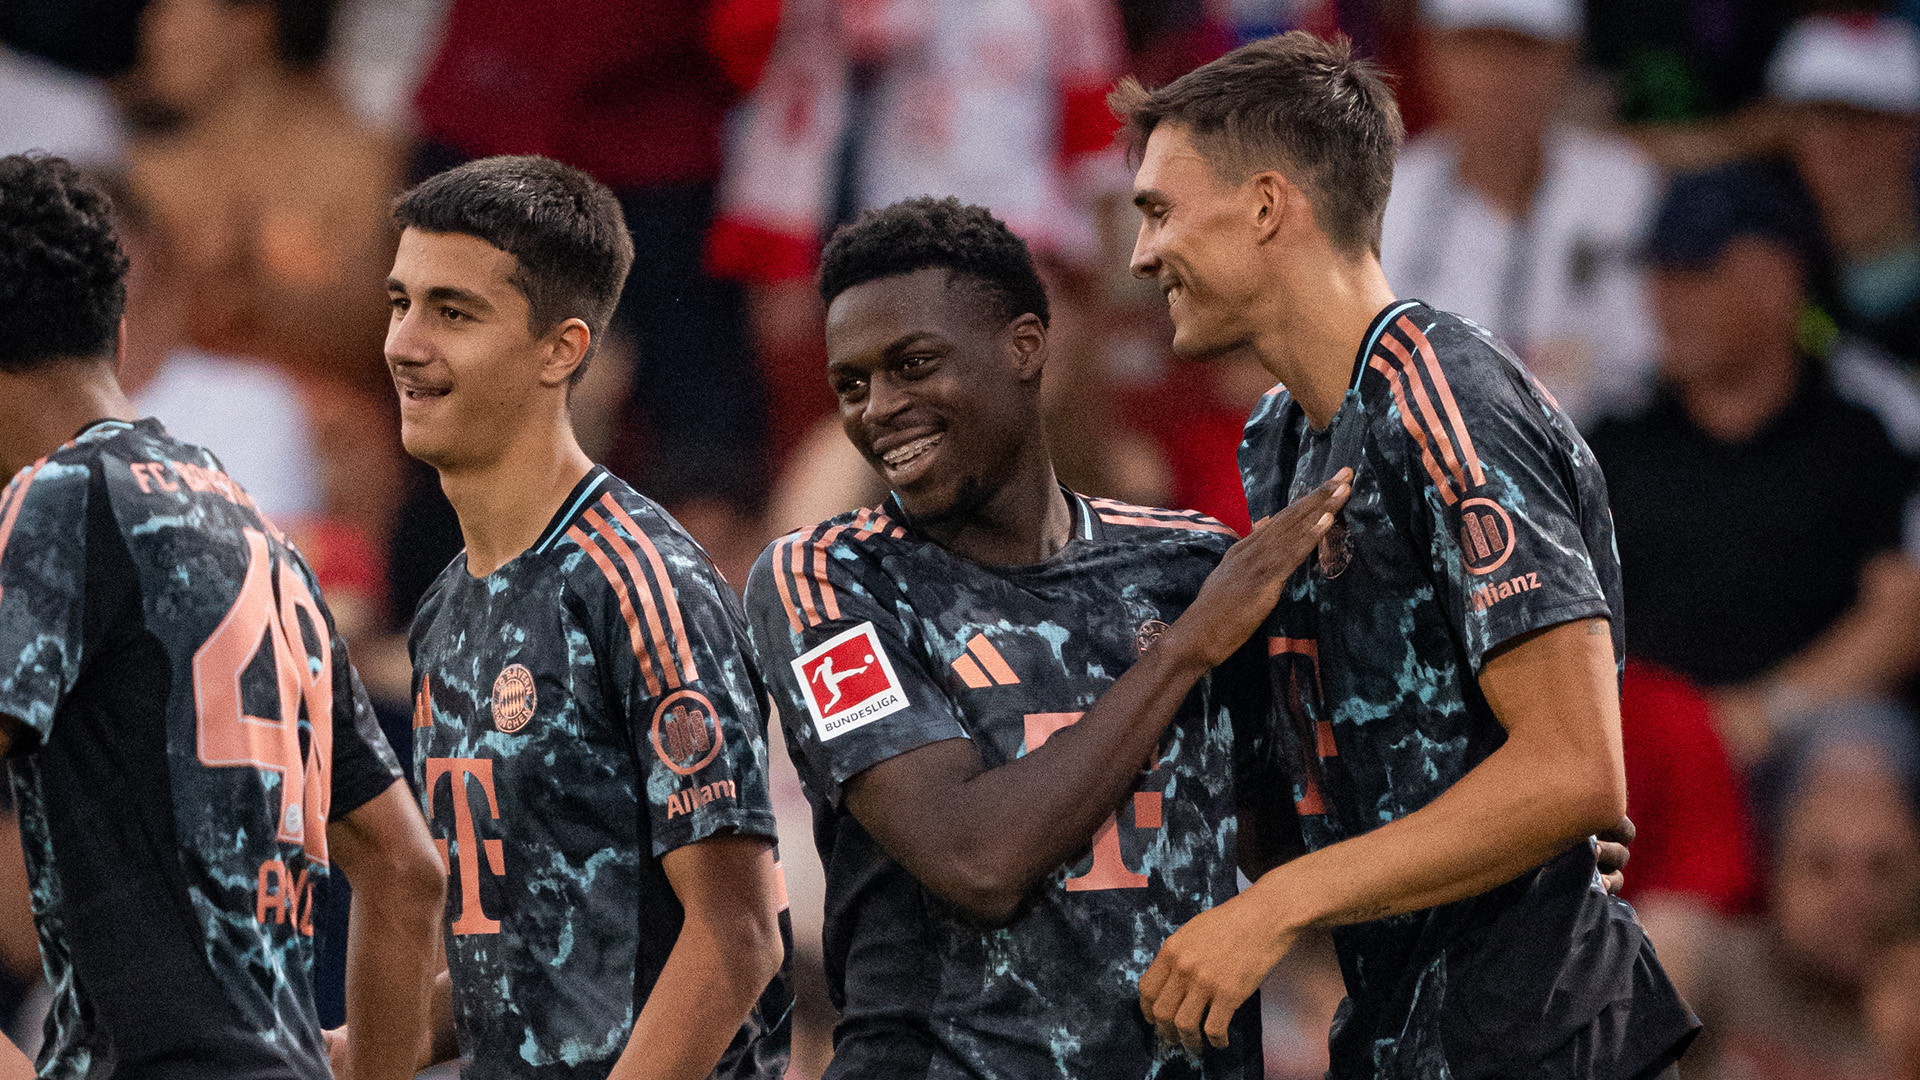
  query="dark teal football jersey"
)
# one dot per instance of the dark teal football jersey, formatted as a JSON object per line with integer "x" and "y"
{"x": 192, "y": 723}
{"x": 1478, "y": 514}
{"x": 579, "y": 713}
{"x": 877, "y": 641}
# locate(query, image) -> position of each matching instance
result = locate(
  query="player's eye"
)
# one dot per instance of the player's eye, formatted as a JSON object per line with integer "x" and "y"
{"x": 398, "y": 304}
{"x": 849, "y": 386}
{"x": 914, "y": 365}
{"x": 453, "y": 314}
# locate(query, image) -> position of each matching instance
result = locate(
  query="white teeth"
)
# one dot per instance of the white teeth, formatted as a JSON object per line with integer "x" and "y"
{"x": 901, "y": 455}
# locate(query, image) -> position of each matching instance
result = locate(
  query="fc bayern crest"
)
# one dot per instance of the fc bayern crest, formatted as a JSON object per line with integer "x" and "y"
{"x": 513, "y": 698}
{"x": 1148, "y": 633}
{"x": 685, "y": 733}
{"x": 1336, "y": 549}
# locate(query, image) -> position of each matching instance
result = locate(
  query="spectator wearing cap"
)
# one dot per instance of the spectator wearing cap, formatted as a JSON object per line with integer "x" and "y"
{"x": 1785, "y": 998}
{"x": 1759, "y": 507}
{"x": 1525, "y": 225}
{"x": 1851, "y": 87}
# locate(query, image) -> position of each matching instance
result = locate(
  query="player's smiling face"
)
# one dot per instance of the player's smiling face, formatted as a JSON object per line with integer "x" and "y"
{"x": 1197, "y": 241}
{"x": 459, "y": 347}
{"x": 936, "y": 388}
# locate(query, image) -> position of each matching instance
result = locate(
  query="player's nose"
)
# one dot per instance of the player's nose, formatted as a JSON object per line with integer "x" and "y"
{"x": 1145, "y": 261}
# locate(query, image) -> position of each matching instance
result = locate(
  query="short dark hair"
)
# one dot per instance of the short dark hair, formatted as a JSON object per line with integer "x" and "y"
{"x": 302, "y": 30}
{"x": 563, "y": 227}
{"x": 928, "y": 233}
{"x": 63, "y": 278}
{"x": 1293, "y": 102}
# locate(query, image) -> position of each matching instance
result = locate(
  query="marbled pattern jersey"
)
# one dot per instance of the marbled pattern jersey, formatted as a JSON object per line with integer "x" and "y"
{"x": 1477, "y": 514}
{"x": 579, "y": 713}
{"x": 192, "y": 724}
{"x": 877, "y": 641}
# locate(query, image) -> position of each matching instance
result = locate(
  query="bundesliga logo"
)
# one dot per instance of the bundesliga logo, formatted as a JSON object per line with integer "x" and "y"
{"x": 849, "y": 682}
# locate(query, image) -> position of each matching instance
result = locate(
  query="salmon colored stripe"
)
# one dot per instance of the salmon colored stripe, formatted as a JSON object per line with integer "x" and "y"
{"x": 1446, "y": 398}
{"x": 800, "y": 585}
{"x": 423, "y": 705}
{"x": 1277, "y": 646}
{"x": 1324, "y": 737}
{"x": 612, "y": 539}
{"x": 626, "y": 602}
{"x": 828, "y": 601}
{"x": 780, "y": 583}
{"x": 1197, "y": 526}
{"x": 18, "y": 488}
{"x": 1130, "y": 508}
{"x": 863, "y": 524}
{"x": 970, "y": 672}
{"x": 1412, "y": 373}
{"x": 898, "y": 532}
{"x": 1311, "y": 802}
{"x": 991, "y": 659}
{"x": 668, "y": 594}
{"x": 1412, "y": 424}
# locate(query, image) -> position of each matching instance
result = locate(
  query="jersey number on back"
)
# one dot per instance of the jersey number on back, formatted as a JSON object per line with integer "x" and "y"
{"x": 232, "y": 737}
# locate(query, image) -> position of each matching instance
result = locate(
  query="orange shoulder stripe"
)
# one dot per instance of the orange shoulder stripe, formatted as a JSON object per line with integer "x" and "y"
{"x": 1163, "y": 523}
{"x": 1434, "y": 427}
{"x": 626, "y": 603}
{"x": 1412, "y": 423}
{"x": 669, "y": 595}
{"x": 828, "y": 600}
{"x": 1446, "y": 398}
{"x": 656, "y": 629}
{"x": 780, "y": 583}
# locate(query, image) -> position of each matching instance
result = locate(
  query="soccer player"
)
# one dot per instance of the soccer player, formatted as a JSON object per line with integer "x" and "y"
{"x": 589, "y": 740}
{"x": 1447, "y": 669}
{"x": 998, "y": 693}
{"x": 190, "y": 748}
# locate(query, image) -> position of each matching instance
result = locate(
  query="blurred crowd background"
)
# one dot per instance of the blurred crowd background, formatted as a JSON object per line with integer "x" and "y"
{"x": 1697, "y": 221}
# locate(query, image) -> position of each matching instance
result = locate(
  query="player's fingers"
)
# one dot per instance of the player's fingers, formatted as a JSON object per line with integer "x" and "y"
{"x": 1610, "y": 856}
{"x": 1219, "y": 1019}
{"x": 1187, "y": 1020}
{"x": 1622, "y": 833}
{"x": 1615, "y": 882}
{"x": 1153, "y": 983}
{"x": 1166, "y": 1007}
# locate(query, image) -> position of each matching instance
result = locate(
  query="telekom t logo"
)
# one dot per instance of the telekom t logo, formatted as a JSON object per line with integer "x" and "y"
{"x": 473, "y": 919}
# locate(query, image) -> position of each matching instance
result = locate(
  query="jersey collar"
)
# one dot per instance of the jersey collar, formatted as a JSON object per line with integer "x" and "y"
{"x": 583, "y": 491}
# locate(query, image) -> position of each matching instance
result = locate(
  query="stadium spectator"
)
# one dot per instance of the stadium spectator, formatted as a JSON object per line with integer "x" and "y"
{"x": 1677, "y": 63}
{"x": 1852, "y": 90}
{"x": 1525, "y": 225}
{"x": 1692, "y": 858}
{"x": 272, "y": 193}
{"x": 1893, "y": 1007}
{"x": 1783, "y": 998}
{"x": 633, "y": 93}
{"x": 1759, "y": 508}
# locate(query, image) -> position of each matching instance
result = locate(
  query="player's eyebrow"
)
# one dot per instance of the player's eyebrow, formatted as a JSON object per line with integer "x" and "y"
{"x": 892, "y": 348}
{"x": 446, "y": 294}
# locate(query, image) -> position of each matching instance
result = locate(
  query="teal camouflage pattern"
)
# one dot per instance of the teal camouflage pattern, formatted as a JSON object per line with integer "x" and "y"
{"x": 579, "y": 713}
{"x": 1477, "y": 514}
{"x": 192, "y": 722}
{"x": 903, "y": 644}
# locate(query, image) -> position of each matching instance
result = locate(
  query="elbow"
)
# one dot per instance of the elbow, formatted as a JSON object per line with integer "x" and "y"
{"x": 404, "y": 878}
{"x": 983, "y": 889}
{"x": 1596, "y": 801}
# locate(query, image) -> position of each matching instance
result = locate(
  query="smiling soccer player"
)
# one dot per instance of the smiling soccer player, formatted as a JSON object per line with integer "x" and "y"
{"x": 588, "y": 730}
{"x": 999, "y": 694}
{"x": 1447, "y": 671}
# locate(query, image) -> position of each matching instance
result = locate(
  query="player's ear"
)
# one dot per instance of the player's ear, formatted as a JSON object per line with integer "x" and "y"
{"x": 1027, "y": 337}
{"x": 1272, "y": 198}
{"x": 567, "y": 346}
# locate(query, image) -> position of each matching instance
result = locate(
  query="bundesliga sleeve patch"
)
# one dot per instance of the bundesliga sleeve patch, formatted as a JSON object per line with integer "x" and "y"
{"x": 849, "y": 682}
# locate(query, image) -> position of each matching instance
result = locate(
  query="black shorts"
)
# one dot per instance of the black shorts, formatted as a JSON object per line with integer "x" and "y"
{"x": 1603, "y": 1045}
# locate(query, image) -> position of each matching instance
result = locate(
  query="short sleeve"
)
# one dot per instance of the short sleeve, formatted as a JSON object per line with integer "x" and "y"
{"x": 43, "y": 578}
{"x": 364, "y": 764}
{"x": 1501, "y": 511}
{"x": 852, "y": 688}
{"x": 679, "y": 674}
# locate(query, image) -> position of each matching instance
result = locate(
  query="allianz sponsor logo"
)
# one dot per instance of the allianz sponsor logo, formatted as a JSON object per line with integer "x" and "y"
{"x": 1493, "y": 592}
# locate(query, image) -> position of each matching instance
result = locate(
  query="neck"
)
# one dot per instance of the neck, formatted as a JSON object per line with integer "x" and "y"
{"x": 45, "y": 408}
{"x": 1026, "y": 520}
{"x": 1315, "y": 326}
{"x": 1505, "y": 174}
{"x": 505, "y": 504}
{"x": 1733, "y": 407}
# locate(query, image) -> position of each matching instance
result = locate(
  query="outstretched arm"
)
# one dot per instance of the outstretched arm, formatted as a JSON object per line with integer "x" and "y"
{"x": 399, "y": 888}
{"x": 982, "y": 838}
{"x": 728, "y": 950}
{"x": 1557, "y": 780}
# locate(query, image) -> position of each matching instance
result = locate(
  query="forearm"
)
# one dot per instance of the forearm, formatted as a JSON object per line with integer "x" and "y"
{"x": 710, "y": 982}
{"x": 390, "y": 963}
{"x": 1009, "y": 827}
{"x": 1517, "y": 809}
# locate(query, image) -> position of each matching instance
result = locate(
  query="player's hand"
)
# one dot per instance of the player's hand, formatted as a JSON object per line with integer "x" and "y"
{"x": 1246, "y": 585}
{"x": 337, "y": 1054}
{"x": 1610, "y": 852}
{"x": 1208, "y": 968}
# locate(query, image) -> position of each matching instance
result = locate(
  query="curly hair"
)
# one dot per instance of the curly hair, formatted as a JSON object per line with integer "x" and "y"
{"x": 928, "y": 233}
{"x": 62, "y": 274}
{"x": 564, "y": 229}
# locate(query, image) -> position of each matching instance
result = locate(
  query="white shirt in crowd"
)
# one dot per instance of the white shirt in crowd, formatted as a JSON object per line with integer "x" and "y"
{"x": 251, "y": 416}
{"x": 1563, "y": 286}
